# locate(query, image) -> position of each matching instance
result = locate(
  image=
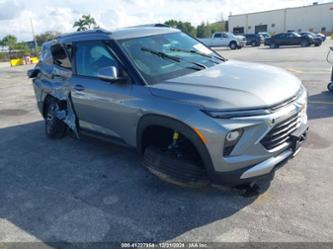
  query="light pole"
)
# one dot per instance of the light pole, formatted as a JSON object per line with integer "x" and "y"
{"x": 33, "y": 35}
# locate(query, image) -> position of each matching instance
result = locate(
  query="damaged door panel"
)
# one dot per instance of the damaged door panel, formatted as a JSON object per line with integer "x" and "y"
{"x": 50, "y": 78}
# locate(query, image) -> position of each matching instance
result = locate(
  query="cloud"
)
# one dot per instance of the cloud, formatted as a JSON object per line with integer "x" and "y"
{"x": 59, "y": 15}
{"x": 9, "y": 9}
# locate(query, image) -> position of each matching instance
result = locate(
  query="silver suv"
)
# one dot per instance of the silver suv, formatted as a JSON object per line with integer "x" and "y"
{"x": 193, "y": 116}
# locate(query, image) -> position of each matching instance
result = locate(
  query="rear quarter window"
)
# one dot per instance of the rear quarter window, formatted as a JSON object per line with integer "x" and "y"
{"x": 60, "y": 57}
{"x": 45, "y": 55}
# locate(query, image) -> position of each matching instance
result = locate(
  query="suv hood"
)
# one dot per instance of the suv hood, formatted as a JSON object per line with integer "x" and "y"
{"x": 231, "y": 85}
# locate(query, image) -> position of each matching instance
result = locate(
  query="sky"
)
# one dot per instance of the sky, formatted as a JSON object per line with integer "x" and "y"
{"x": 59, "y": 15}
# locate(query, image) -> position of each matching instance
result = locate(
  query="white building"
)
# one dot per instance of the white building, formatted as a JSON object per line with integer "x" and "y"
{"x": 315, "y": 18}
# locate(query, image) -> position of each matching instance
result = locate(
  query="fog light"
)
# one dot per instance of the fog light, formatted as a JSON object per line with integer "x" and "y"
{"x": 233, "y": 135}
{"x": 231, "y": 139}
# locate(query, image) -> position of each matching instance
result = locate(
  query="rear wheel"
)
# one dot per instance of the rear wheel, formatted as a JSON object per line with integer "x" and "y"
{"x": 253, "y": 44}
{"x": 233, "y": 45}
{"x": 54, "y": 127}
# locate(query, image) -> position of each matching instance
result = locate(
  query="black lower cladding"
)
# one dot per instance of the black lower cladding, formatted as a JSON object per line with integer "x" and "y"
{"x": 299, "y": 136}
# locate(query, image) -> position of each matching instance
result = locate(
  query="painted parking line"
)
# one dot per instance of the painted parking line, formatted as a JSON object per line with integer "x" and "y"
{"x": 308, "y": 71}
{"x": 294, "y": 70}
{"x": 321, "y": 102}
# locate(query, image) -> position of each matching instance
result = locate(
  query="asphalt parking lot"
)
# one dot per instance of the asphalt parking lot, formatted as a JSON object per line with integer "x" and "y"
{"x": 88, "y": 190}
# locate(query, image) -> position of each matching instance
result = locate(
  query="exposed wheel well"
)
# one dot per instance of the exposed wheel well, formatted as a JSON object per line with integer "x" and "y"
{"x": 162, "y": 137}
{"x": 48, "y": 99}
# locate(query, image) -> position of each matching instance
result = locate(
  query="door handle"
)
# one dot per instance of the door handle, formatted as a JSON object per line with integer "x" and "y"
{"x": 79, "y": 87}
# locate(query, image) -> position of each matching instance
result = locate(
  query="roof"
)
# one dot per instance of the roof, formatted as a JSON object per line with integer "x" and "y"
{"x": 299, "y": 7}
{"x": 118, "y": 34}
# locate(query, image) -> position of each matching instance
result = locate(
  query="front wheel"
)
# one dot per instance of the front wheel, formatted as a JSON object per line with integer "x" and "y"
{"x": 273, "y": 45}
{"x": 305, "y": 44}
{"x": 330, "y": 86}
{"x": 54, "y": 127}
{"x": 233, "y": 45}
{"x": 168, "y": 167}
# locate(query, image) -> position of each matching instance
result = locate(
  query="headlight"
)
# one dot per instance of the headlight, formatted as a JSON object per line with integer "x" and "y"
{"x": 236, "y": 114}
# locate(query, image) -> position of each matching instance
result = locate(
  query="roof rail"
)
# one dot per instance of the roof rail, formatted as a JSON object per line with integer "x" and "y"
{"x": 85, "y": 32}
{"x": 150, "y": 25}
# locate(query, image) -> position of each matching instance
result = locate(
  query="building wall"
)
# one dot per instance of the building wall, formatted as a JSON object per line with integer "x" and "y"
{"x": 314, "y": 17}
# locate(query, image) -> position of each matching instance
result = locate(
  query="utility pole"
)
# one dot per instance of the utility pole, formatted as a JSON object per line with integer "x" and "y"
{"x": 33, "y": 34}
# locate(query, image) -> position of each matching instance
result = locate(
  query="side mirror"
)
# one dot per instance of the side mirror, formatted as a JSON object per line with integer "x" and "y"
{"x": 108, "y": 73}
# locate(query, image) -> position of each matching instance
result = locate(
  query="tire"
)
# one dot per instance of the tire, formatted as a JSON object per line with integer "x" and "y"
{"x": 317, "y": 44}
{"x": 305, "y": 44}
{"x": 54, "y": 127}
{"x": 233, "y": 45}
{"x": 253, "y": 44}
{"x": 330, "y": 86}
{"x": 273, "y": 45}
{"x": 174, "y": 170}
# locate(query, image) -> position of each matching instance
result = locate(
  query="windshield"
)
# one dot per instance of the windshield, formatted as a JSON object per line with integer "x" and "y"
{"x": 296, "y": 34}
{"x": 167, "y": 56}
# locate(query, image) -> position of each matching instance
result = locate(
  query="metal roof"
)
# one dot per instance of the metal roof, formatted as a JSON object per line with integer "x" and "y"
{"x": 118, "y": 34}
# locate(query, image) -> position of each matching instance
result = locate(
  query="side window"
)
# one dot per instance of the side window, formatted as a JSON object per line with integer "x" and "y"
{"x": 291, "y": 35}
{"x": 90, "y": 57}
{"x": 59, "y": 56}
{"x": 224, "y": 35}
{"x": 218, "y": 35}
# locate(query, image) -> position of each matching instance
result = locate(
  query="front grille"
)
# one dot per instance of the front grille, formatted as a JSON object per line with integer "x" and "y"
{"x": 280, "y": 133}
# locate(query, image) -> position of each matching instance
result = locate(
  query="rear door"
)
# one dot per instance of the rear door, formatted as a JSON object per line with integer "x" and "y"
{"x": 281, "y": 39}
{"x": 100, "y": 105}
{"x": 292, "y": 39}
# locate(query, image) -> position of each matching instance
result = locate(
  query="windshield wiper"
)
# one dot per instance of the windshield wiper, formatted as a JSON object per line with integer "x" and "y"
{"x": 173, "y": 58}
{"x": 198, "y": 53}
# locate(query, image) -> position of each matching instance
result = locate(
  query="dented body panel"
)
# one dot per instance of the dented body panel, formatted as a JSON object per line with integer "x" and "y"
{"x": 193, "y": 104}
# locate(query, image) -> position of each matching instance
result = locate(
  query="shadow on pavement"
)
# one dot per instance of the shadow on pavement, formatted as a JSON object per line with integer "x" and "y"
{"x": 320, "y": 105}
{"x": 87, "y": 190}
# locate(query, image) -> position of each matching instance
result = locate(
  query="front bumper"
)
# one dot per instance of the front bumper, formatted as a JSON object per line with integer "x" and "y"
{"x": 263, "y": 169}
{"x": 241, "y": 43}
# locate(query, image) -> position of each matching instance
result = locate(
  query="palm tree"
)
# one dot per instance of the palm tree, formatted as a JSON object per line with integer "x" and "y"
{"x": 85, "y": 22}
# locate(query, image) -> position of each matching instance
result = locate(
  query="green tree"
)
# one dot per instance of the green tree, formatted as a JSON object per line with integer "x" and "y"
{"x": 203, "y": 30}
{"x": 183, "y": 26}
{"x": 86, "y": 22}
{"x": 46, "y": 36}
{"x": 9, "y": 41}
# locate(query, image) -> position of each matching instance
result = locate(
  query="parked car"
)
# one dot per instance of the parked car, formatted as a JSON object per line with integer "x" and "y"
{"x": 225, "y": 39}
{"x": 253, "y": 39}
{"x": 192, "y": 115}
{"x": 265, "y": 35}
{"x": 290, "y": 38}
{"x": 322, "y": 36}
{"x": 317, "y": 40}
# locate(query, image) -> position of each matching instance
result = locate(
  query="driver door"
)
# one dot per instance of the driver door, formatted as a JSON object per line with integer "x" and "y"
{"x": 100, "y": 105}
